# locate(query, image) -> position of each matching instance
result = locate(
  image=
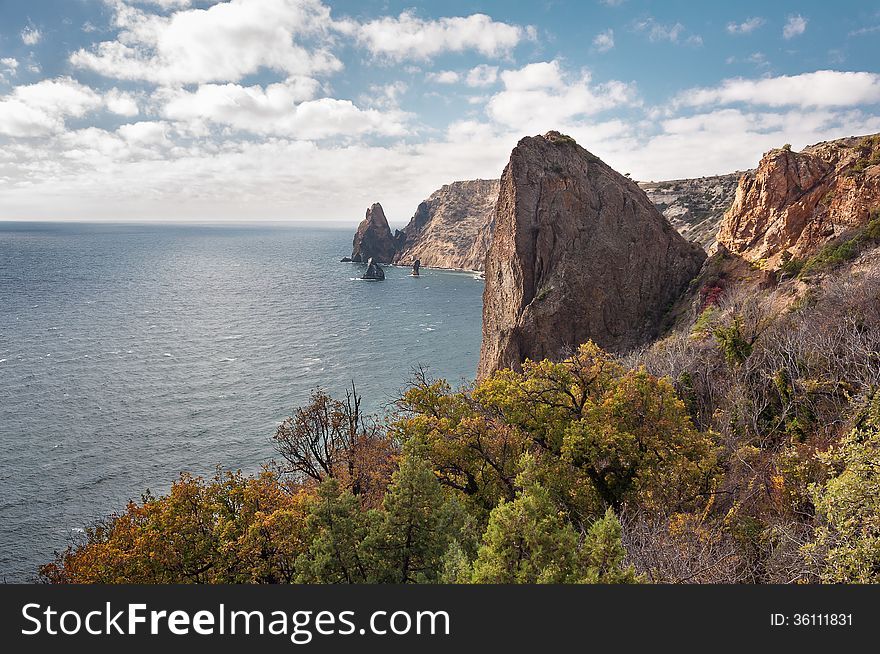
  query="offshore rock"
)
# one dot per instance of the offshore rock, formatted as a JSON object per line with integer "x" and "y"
{"x": 373, "y": 239}
{"x": 374, "y": 271}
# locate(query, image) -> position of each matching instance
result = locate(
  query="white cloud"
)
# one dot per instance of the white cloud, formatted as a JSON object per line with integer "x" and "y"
{"x": 482, "y": 75}
{"x": 659, "y": 31}
{"x": 410, "y": 37}
{"x": 726, "y": 140}
{"x": 166, "y": 4}
{"x": 8, "y": 67}
{"x": 871, "y": 29}
{"x": 285, "y": 109}
{"x": 121, "y": 103}
{"x": 31, "y": 35}
{"x": 604, "y": 41}
{"x": 747, "y": 26}
{"x": 823, "y": 88}
{"x": 41, "y": 108}
{"x": 443, "y": 77}
{"x": 794, "y": 26}
{"x": 540, "y": 96}
{"x": 224, "y": 42}
{"x": 145, "y": 133}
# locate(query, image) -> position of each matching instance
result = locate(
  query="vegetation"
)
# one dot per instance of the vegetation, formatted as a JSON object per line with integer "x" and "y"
{"x": 836, "y": 252}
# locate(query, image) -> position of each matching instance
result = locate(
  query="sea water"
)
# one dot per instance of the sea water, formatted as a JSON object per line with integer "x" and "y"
{"x": 129, "y": 353}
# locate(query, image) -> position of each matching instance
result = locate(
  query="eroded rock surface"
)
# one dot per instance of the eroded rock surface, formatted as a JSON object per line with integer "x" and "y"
{"x": 579, "y": 252}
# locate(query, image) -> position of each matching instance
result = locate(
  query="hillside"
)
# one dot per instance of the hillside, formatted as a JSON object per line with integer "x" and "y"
{"x": 694, "y": 206}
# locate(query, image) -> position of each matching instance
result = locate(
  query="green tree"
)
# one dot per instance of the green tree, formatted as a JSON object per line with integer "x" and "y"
{"x": 847, "y": 540}
{"x": 417, "y": 526}
{"x": 337, "y": 527}
{"x": 530, "y": 540}
{"x": 637, "y": 443}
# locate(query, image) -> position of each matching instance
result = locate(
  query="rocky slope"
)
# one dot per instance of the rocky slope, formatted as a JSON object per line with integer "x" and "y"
{"x": 695, "y": 207}
{"x": 373, "y": 239}
{"x": 579, "y": 253}
{"x": 795, "y": 202}
{"x": 451, "y": 229}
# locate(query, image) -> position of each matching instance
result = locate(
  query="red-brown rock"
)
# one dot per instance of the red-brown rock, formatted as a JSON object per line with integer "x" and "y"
{"x": 579, "y": 253}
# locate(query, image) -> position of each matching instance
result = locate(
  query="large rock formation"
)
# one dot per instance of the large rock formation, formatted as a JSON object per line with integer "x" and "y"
{"x": 696, "y": 206}
{"x": 451, "y": 229}
{"x": 373, "y": 239}
{"x": 579, "y": 253}
{"x": 798, "y": 201}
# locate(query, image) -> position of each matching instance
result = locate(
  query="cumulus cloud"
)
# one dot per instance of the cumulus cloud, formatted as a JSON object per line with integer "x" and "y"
{"x": 224, "y": 42}
{"x": 746, "y": 27}
{"x": 409, "y": 37}
{"x": 443, "y": 77}
{"x": 31, "y": 35}
{"x": 285, "y": 109}
{"x": 121, "y": 103}
{"x": 794, "y": 26}
{"x": 482, "y": 75}
{"x": 541, "y": 96}
{"x": 41, "y": 108}
{"x": 604, "y": 41}
{"x": 823, "y": 88}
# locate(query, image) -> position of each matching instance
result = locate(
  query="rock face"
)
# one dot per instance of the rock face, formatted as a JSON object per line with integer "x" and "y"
{"x": 451, "y": 229}
{"x": 579, "y": 253}
{"x": 374, "y": 271}
{"x": 373, "y": 239}
{"x": 695, "y": 207}
{"x": 798, "y": 201}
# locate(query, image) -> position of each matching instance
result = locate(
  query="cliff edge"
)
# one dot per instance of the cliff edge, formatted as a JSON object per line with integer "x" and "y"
{"x": 452, "y": 228}
{"x": 795, "y": 202}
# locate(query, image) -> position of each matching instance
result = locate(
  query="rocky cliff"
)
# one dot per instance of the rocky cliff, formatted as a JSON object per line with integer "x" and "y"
{"x": 373, "y": 239}
{"x": 578, "y": 253}
{"x": 695, "y": 207}
{"x": 451, "y": 229}
{"x": 796, "y": 202}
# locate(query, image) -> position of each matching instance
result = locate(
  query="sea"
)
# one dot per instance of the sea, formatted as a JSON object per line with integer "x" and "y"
{"x": 130, "y": 353}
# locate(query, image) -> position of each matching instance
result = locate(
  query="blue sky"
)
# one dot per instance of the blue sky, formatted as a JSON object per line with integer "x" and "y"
{"x": 303, "y": 109}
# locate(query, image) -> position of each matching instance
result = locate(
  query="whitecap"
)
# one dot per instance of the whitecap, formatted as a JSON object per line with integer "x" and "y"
{"x": 167, "y": 354}
{"x": 2, "y": 360}
{"x": 228, "y": 359}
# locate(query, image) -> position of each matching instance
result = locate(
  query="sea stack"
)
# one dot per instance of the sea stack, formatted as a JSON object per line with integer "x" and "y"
{"x": 373, "y": 239}
{"x": 578, "y": 253}
{"x": 374, "y": 271}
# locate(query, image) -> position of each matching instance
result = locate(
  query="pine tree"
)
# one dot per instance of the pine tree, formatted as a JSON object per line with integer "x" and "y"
{"x": 337, "y": 527}
{"x": 416, "y": 528}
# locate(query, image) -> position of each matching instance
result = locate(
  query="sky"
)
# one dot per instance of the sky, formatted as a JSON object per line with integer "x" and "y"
{"x": 190, "y": 110}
